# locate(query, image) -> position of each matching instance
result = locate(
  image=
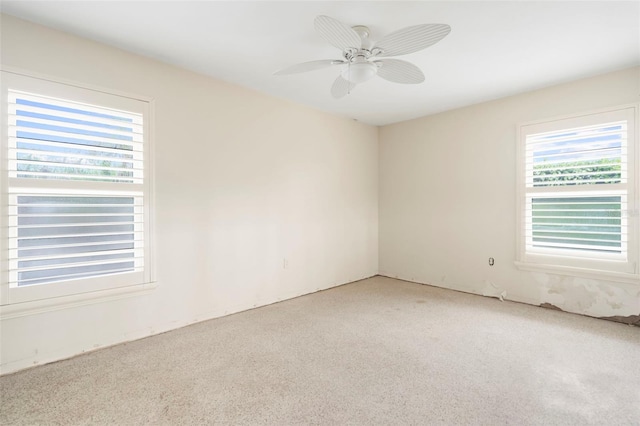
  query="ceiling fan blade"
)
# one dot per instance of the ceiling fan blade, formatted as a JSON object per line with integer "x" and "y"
{"x": 341, "y": 87}
{"x": 412, "y": 39}
{"x": 309, "y": 66}
{"x": 337, "y": 33}
{"x": 399, "y": 71}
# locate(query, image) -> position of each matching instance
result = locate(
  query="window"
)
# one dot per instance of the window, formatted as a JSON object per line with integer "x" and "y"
{"x": 579, "y": 194}
{"x": 76, "y": 190}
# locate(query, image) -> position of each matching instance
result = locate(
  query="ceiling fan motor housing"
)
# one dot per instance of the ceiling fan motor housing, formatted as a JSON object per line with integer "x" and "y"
{"x": 358, "y": 68}
{"x": 359, "y": 72}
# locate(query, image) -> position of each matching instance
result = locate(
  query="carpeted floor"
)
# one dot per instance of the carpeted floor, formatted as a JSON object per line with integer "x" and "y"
{"x": 378, "y": 351}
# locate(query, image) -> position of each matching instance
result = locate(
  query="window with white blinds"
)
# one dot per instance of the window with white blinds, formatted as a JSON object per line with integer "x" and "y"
{"x": 61, "y": 139}
{"x": 579, "y": 192}
{"x": 77, "y": 192}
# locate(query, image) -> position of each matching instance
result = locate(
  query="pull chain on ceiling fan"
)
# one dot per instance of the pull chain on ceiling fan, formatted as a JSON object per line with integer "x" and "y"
{"x": 362, "y": 61}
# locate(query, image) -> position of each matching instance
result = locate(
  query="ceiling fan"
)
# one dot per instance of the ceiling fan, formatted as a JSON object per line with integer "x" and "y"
{"x": 362, "y": 60}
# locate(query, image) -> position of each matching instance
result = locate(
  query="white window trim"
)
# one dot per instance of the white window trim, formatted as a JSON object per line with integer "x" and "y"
{"x": 581, "y": 269}
{"x": 16, "y": 310}
{"x": 23, "y": 308}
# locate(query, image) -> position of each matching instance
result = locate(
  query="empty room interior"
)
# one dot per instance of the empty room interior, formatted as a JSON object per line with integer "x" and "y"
{"x": 320, "y": 212}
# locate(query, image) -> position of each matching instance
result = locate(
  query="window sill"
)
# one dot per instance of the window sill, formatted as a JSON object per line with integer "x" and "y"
{"x": 580, "y": 272}
{"x": 35, "y": 307}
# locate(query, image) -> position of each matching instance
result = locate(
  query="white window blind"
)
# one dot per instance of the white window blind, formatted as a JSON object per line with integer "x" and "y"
{"x": 590, "y": 159}
{"x": 580, "y": 156}
{"x": 578, "y": 192}
{"x": 58, "y": 139}
{"x": 77, "y": 193}
{"x": 581, "y": 224}
{"x": 59, "y": 237}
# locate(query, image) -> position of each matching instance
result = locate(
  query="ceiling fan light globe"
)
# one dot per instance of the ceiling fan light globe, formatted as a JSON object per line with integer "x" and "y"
{"x": 359, "y": 72}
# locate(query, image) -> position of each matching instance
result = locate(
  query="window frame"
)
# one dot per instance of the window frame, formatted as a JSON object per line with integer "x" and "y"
{"x": 594, "y": 267}
{"x": 24, "y": 300}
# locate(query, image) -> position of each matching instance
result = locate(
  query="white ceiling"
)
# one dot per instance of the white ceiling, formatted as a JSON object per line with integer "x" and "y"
{"x": 495, "y": 49}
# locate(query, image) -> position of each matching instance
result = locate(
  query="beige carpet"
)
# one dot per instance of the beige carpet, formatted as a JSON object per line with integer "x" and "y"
{"x": 378, "y": 351}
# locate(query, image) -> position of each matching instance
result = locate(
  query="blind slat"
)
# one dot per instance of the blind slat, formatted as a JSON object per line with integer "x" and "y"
{"x": 48, "y": 146}
{"x": 13, "y": 154}
{"x": 80, "y": 139}
{"x": 80, "y": 177}
{"x": 66, "y": 277}
{"x": 105, "y": 262}
{"x": 81, "y": 109}
{"x": 136, "y": 251}
{"x": 27, "y": 122}
{"x": 37, "y": 163}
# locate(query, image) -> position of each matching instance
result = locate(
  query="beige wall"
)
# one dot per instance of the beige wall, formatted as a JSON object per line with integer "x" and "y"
{"x": 448, "y": 199}
{"x": 243, "y": 182}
